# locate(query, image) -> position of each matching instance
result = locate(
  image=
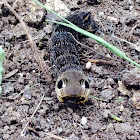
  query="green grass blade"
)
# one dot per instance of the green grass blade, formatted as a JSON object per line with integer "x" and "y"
{"x": 116, "y": 118}
{"x": 120, "y": 98}
{"x": 2, "y": 54}
{"x": 133, "y": 62}
{"x": 98, "y": 39}
{"x": 93, "y": 97}
{"x": 88, "y": 34}
{"x": 101, "y": 41}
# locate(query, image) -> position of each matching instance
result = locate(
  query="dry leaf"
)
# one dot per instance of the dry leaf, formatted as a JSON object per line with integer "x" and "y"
{"x": 122, "y": 88}
{"x": 11, "y": 73}
{"x": 136, "y": 98}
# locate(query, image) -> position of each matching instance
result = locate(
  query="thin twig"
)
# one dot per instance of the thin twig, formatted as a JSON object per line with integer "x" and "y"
{"x": 33, "y": 130}
{"x": 131, "y": 32}
{"x": 130, "y": 43}
{"x": 100, "y": 61}
{"x": 86, "y": 46}
{"x": 32, "y": 43}
{"x": 91, "y": 96}
{"x": 14, "y": 4}
{"x": 22, "y": 132}
{"x": 55, "y": 137}
{"x": 22, "y": 91}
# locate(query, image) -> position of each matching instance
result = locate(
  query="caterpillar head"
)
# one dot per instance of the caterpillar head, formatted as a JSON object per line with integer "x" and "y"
{"x": 72, "y": 86}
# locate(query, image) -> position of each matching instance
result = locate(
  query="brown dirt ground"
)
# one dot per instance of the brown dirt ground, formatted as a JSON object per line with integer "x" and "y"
{"x": 115, "y": 19}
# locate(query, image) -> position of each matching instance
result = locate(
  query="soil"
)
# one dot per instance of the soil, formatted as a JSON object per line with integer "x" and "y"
{"x": 112, "y": 78}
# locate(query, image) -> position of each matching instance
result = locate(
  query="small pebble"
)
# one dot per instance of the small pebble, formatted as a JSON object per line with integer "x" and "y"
{"x": 47, "y": 29}
{"x": 136, "y": 99}
{"x": 124, "y": 128}
{"x": 121, "y": 108}
{"x": 83, "y": 120}
{"x": 9, "y": 87}
{"x": 107, "y": 94}
{"x": 48, "y": 99}
{"x": 6, "y": 136}
{"x": 113, "y": 19}
{"x": 101, "y": 14}
{"x": 108, "y": 55}
{"x": 5, "y": 128}
{"x": 60, "y": 130}
{"x": 27, "y": 94}
{"x": 110, "y": 127}
{"x": 70, "y": 110}
{"x": 106, "y": 113}
{"x": 131, "y": 7}
{"x": 20, "y": 80}
{"x": 110, "y": 81}
{"x": 88, "y": 65}
{"x": 73, "y": 137}
{"x": 20, "y": 74}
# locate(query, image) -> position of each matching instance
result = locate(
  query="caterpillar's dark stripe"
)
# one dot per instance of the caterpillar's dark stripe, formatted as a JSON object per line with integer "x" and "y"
{"x": 64, "y": 52}
{"x": 63, "y": 48}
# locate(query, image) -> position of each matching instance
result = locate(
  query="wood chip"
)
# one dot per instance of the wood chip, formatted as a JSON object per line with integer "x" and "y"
{"x": 136, "y": 98}
{"x": 10, "y": 74}
{"x": 122, "y": 88}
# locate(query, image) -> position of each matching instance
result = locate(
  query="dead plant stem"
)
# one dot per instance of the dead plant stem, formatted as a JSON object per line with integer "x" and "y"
{"x": 32, "y": 43}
